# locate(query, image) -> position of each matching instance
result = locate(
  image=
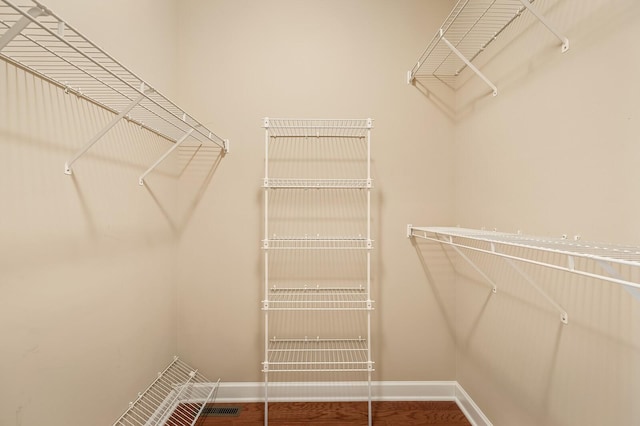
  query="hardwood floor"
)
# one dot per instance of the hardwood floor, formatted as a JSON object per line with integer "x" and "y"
{"x": 343, "y": 414}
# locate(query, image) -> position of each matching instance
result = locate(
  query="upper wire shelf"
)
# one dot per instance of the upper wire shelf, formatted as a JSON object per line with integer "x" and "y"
{"x": 286, "y": 183}
{"x": 34, "y": 38}
{"x": 339, "y": 128}
{"x": 519, "y": 247}
{"x": 176, "y": 397}
{"x": 318, "y": 243}
{"x": 469, "y": 29}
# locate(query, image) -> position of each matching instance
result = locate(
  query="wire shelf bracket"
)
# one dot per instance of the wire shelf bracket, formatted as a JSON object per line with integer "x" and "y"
{"x": 469, "y": 29}
{"x": 38, "y": 41}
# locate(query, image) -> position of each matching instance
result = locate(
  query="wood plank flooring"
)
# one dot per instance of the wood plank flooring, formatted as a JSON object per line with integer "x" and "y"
{"x": 396, "y": 413}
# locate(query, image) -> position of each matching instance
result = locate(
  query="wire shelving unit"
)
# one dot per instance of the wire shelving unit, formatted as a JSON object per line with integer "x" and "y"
{"x": 469, "y": 29}
{"x": 35, "y": 39}
{"x": 617, "y": 264}
{"x": 308, "y": 141}
{"x": 175, "y": 398}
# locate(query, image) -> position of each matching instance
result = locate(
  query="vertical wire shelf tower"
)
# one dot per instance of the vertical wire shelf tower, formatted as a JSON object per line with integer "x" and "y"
{"x": 317, "y": 253}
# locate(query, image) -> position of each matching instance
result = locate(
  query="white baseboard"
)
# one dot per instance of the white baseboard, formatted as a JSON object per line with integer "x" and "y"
{"x": 233, "y": 392}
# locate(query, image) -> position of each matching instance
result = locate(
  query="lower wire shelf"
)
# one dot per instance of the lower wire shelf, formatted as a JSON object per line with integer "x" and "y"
{"x": 175, "y": 398}
{"x": 317, "y": 298}
{"x": 317, "y": 355}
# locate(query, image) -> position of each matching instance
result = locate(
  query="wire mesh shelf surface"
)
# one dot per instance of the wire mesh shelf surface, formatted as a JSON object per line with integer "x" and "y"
{"x": 317, "y": 243}
{"x": 297, "y": 355}
{"x": 176, "y": 397}
{"x": 471, "y": 27}
{"x": 284, "y": 183}
{"x": 34, "y": 38}
{"x": 338, "y": 128}
{"x": 318, "y": 298}
{"x": 524, "y": 248}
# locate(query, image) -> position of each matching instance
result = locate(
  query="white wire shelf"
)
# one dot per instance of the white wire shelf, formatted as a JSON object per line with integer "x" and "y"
{"x": 469, "y": 29}
{"x": 283, "y": 183}
{"x": 336, "y": 128}
{"x": 34, "y": 38}
{"x": 317, "y": 243}
{"x": 524, "y": 248}
{"x": 318, "y": 299}
{"x": 175, "y": 398}
{"x": 316, "y": 354}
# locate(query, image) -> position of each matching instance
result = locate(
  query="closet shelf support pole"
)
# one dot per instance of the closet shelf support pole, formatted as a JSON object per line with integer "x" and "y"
{"x": 17, "y": 28}
{"x": 96, "y": 138}
{"x": 164, "y": 156}
{"x": 541, "y": 18}
{"x": 468, "y": 62}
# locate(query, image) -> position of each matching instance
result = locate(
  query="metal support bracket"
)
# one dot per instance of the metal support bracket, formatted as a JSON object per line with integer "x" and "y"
{"x": 164, "y": 156}
{"x": 112, "y": 123}
{"x": 541, "y": 18}
{"x": 494, "y": 287}
{"x": 468, "y": 62}
{"x": 564, "y": 316}
{"x": 20, "y": 25}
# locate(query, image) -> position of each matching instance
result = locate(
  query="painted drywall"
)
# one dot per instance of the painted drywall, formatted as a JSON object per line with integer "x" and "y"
{"x": 87, "y": 302}
{"x": 246, "y": 60}
{"x": 554, "y": 153}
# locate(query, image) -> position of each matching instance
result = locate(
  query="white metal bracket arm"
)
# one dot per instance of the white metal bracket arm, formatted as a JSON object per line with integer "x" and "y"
{"x": 165, "y": 155}
{"x": 20, "y": 25}
{"x": 541, "y": 18}
{"x": 96, "y": 138}
{"x": 468, "y": 62}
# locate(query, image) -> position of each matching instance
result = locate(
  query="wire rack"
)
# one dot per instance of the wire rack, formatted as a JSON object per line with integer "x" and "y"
{"x": 175, "y": 398}
{"x": 469, "y": 29}
{"x": 338, "y": 128}
{"x": 299, "y": 355}
{"x": 34, "y": 38}
{"x": 317, "y": 243}
{"x": 318, "y": 298}
{"x": 317, "y": 183}
{"x": 567, "y": 253}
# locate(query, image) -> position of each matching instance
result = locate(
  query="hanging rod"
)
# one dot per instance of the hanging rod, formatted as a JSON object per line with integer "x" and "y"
{"x": 491, "y": 242}
{"x": 35, "y": 39}
{"x": 469, "y": 29}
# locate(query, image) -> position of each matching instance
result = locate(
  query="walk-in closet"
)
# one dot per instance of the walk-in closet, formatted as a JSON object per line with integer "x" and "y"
{"x": 365, "y": 212}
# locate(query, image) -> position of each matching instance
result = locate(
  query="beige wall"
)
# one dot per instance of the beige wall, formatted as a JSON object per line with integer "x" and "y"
{"x": 308, "y": 59}
{"x": 554, "y": 153}
{"x": 87, "y": 304}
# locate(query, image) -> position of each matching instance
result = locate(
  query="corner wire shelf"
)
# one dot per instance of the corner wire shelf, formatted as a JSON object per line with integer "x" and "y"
{"x": 318, "y": 299}
{"x": 316, "y": 354}
{"x": 35, "y": 39}
{"x": 175, "y": 398}
{"x": 469, "y": 29}
{"x": 562, "y": 254}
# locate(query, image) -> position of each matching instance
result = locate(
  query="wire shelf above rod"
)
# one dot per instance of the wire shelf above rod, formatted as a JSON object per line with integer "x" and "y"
{"x": 469, "y": 29}
{"x": 34, "y": 38}
{"x": 334, "y": 128}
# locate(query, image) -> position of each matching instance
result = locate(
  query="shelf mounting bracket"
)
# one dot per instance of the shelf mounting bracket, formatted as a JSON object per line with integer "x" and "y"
{"x": 20, "y": 25}
{"x": 564, "y": 316}
{"x": 112, "y": 123}
{"x": 468, "y": 62}
{"x": 164, "y": 156}
{"x": 541, "y": 18}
